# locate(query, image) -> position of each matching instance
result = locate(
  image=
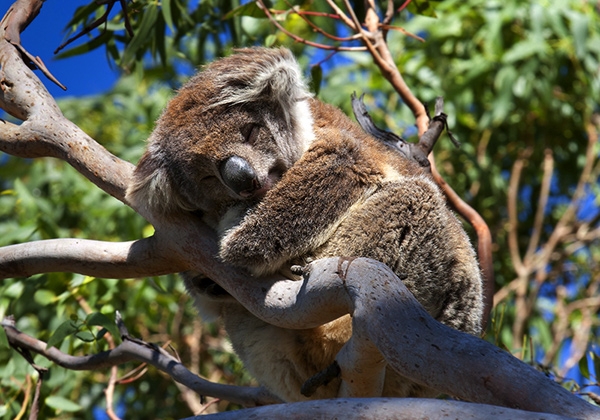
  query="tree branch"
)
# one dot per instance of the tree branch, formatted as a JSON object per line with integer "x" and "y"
{"x": 16, "y": 19}
{"x": 473, "y": 369}
{"x": 381, "y": 409}
{"x": 118, "y": 260}
{"x": 136, "y": 350}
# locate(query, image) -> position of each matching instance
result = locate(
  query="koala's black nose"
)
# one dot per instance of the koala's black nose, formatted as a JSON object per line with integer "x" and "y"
{"x": 239, "y": 175}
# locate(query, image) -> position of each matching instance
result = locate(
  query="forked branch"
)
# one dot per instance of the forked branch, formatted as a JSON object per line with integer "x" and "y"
{"x": 409, "y": 343}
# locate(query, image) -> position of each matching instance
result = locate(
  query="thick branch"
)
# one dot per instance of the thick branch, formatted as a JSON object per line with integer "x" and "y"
{"x": 386, "y": 314}
{"x": 380, "y": 409}
{"x": 118, "y": 260}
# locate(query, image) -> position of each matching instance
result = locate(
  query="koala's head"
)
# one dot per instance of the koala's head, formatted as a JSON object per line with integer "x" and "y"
{"x": 227, "y": 137}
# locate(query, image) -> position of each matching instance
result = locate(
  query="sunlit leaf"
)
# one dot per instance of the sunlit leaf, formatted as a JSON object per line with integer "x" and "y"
{"x": 579, "y": 27}
{"x": 63, "y": 404}
{"x": 166, "y": 12}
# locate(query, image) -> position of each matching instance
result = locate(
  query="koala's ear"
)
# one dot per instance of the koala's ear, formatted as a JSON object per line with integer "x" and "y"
{"x": 152, "y": 189}
{"x": 260, "y": 74}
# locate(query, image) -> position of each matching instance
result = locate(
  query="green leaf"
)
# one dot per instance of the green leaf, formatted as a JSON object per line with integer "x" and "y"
{"x": 167, "y": 14}
{"x": 141, "y": 36}
{"x": 86, "y": 336}
{"x": 101, "y": 320}
{"x": 87, "y": 47}
{"x": 524, "y": 49}
{"x": 63, "y": 404}
{"x": 101, "y": 333}
{"x": 421, "y": 7}
{"x": 3, "y": 341}
{"x": 44, "y": 297}
{"x": 81, "y": 13}
{"x": 583, "y": 366}
{"x": 579, "y": 27}
{"x": 64, "y": 330}
{"x": 270, "y": 40}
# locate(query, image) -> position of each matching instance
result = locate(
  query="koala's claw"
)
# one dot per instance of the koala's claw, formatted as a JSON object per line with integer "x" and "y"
{"x": 297, "y": 270}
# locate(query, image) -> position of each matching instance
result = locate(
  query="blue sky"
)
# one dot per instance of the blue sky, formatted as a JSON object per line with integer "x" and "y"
{"x": 82, "y": 75}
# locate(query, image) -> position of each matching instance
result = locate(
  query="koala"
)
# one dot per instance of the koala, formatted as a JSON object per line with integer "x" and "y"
{"x": 284, "y": 178}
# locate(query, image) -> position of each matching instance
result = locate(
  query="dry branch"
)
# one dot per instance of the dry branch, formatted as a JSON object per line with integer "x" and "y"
{"x": 136, "y": 350}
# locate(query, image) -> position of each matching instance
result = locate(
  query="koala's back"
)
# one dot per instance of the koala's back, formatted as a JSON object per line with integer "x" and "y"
{"x": 407, "y": 226}
{"x": 398, "y": 217}
{"x": 403, "y": 221}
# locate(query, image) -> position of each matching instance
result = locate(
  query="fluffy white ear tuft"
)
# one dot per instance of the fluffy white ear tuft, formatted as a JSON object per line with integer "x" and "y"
{"x": 261, "y": 74}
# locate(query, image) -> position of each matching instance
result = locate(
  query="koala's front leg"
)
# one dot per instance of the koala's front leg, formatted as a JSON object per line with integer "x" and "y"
{"x": 302, "y": 211}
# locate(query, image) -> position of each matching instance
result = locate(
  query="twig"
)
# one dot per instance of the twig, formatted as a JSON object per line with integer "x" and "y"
{"x": 302, "y": 40}
{"x": 102, "y": 19}
{"x": 109, "y": 393}
{"x": 27, "y": 395}
{"x": 16, "y": 19}
{"x": 35, "y": 404}
{"x": 316, "y": 28}
{"x": 513, "y": 192}
{"x": 541, "y": 207}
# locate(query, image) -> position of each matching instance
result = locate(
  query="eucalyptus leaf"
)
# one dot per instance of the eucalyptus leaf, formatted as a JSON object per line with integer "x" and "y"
{"x": 63, "y": 331}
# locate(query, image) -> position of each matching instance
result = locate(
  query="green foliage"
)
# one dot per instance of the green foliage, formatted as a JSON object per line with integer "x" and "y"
{"x": 166, "y": 32}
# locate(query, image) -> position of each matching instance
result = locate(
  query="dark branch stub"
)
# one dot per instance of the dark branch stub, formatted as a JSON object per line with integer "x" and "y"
{"x": 366, "y": 122}
{"x": 415, "y": 151}
{"x": 322, "y": 378}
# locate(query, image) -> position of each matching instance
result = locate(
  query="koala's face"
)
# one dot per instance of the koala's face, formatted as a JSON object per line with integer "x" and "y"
{"x": 226, "y": 155}
{"x": 227, "y": 137}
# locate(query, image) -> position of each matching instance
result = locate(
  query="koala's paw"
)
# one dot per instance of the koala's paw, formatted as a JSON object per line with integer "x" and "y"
{"x": 231, "y": 249}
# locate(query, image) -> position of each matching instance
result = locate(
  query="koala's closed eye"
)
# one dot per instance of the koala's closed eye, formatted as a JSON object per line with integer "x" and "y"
{"x": 250, "y": 133}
